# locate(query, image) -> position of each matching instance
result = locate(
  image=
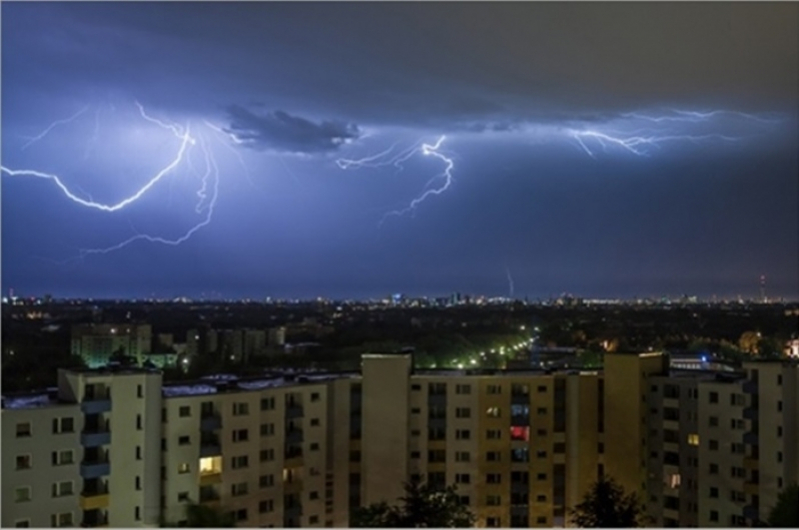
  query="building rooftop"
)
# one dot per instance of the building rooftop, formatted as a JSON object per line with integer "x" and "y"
{"x": 228, "y": 383}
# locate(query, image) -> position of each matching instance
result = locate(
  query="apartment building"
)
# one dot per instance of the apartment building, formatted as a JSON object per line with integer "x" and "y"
{"x": 96, "y": 343}
{"x": 119, "y": 448}
{"x": 722, "y": 445}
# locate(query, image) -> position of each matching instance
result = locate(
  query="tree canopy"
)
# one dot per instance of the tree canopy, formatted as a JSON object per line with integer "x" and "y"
{"x": 785, "y": 513}
{"x": 605, "y": 505}
{"x": 204, "y": 516}
{"x": 424, "y": 505}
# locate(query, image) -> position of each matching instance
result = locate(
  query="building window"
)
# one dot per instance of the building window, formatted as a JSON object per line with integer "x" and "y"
{"x": 693, "y": 439}
{"x": 138, "y": 452}
{"x": 266, "y": 506}
{"x": 183, "y": 496}
{"x": 713, "y": 445}
{"x": 314, "y": 446}
{"x": 63, "y": 425}
{"x": 493, "y": 478}
{"x": 463, "y": 412}
{"x": 436, "y": 456}
{"x": 520, "y": 433}
{"x": 241, "y": 515}
{"x": 493, "y": 412}
{"x": 541, "y": 476}
{"x": 23, "y": 429}
{"x": 714, "y": 398}
{"x": 416, "y": 410}
{"x": 137, "y": 513}
{"x": 138, "y": 422}
{"x": 494, "y": 389}
{"x": 779, "y": 431}
{"x": 138, "y": 483}
{"x": 266, "y": 481}
{"x": 463, "y": 434}
{"x": 463, "y": 389}
{"x": 493, "y": 500}
{"x": 493, "y": 522}
{"x": 416, "y": 387}
{"x": 267, "y": 455}
{"x": 24, "y": 462}
{"x": 493, "y": 434}
{"x": 493, "y": 456}
{"x": 237, "y": 490}
{"x": 184, "y": 412}
{"x": 462, "y": 456}
{"x": 267, "y": 429}
{"x": 22, "y": 523}
{"x": 714, "y": 516}
{"x": 779, "y": 456}
{"x": 779, "y": 380}
{"x": 314, "y": 422}
{"x": 184, "y": 440}
{"x": 463, "y": 478}
{"x": 713, "y": 469}
{"x": 241, "y": 435}
{"x": 268, "y": 403}
{"x": 183, "y": 468}
{"x": 61, "y": 519}
{"x": 22, "y": 494}
{"x": 559, "y": 448}
{"x": 62, "y": 489}
{"x": 62, "y": 458}
{"x": 241, "y": 409}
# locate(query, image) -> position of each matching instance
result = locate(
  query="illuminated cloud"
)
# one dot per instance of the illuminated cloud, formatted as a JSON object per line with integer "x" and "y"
{"x": 280, "y": 131}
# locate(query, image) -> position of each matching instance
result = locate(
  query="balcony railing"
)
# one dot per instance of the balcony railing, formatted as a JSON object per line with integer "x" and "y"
{"x": 294, "y": 436}
{"x": 750, "y": 386}
{"x": 751, "y": 438}
{"x": 95, "y": 468}
{"x": 95, "y": 437}
{"x": 94, "y": 498}
{"x": 210, "y": 422}
{"x": 95, "y": 405}
{"x": 293, "y": 411}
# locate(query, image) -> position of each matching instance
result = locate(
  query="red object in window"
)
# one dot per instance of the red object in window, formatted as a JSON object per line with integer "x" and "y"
{"x": 520, "y": 433}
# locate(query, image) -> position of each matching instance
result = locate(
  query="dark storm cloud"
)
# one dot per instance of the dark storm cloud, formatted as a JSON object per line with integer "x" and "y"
{"x": 280, "y": 131}
{"x": 418, "y": 64}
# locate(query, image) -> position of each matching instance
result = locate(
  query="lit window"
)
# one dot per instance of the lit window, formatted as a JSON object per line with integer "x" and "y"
{"x": 520, "y": 433}
{"x": 183, "y": 468}
{"x": 693, "y": 439}
{"x": 209, "y": 465}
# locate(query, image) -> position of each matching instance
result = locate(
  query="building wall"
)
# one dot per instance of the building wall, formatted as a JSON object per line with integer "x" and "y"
{"x": 42, "y": 472}
{"x": 385, "y": 427}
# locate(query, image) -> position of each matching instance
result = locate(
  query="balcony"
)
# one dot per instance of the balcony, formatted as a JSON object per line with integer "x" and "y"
{"x": 211, "y": 422}
{"x": 293, "y": 411}
{"x": 751, "y": 462}
{"x": 95, "y": 469}
{"x": 95, "y": 437}
{"x": 210, "y": 478}
{"x": 210, "y": 498}
{"x": 294, "y": 436}
{"x": 751, "y": 487}
{"x": 519, "y": 399}
{"x": 750, "y": 386}
{"x": 292, "y": 510}
{"x": 750, "y": 413}
{"x": 94, "y": 499}
{"x": 95, "y": 405}
{"x": 751, "y": 512}
{"x": 751, "y": 438}
{"x": 94, "y": 518}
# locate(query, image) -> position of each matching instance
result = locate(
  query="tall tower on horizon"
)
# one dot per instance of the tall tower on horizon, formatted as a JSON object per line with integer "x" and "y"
{"x": 763, "y": 288}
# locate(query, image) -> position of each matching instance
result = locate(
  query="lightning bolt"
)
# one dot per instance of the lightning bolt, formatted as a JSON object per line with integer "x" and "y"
{"x": 183, "y": 135}
{"x": 53, "y": 126}
{"x": 637, "y": 145}
{"x": 429, "y": 150}
{"x": 211, "y": 171}
{"x": 510, "y": 282}
{"x": 379, "y": 160}
{"x": 690, "y": 116}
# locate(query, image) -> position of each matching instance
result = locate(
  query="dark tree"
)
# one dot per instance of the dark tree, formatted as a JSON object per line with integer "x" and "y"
{"x": 606, "y": 506}
{"x": 204, "y": 516}
{"x": 785, "y": 513}
{"x": 423, "y": 506}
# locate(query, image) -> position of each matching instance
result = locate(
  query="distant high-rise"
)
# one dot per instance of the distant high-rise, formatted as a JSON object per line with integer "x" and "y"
{"x": 763, "y": 288}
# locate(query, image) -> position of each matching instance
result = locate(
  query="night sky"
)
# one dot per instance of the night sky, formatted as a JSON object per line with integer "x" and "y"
{"x": 599, "y": 149}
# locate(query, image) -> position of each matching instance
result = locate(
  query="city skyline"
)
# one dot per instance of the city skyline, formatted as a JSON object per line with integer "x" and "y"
{"x": 354, "y": 150}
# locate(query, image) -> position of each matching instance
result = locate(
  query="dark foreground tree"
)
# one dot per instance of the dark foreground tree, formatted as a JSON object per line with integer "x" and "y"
{"x": 423, "y": 506}
{"x": 785, "y": 513}
{"x": 204, "y": 516}
{"x": 606, "y": 506}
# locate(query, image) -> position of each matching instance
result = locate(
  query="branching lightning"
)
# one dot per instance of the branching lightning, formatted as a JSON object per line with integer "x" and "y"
{"x": 510, "y": 282}
{"x": 637, "y": 144}
{"x": 207, "y": 194}
{"x": 211, "y": 171}
{"x": 53, "y": 126}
